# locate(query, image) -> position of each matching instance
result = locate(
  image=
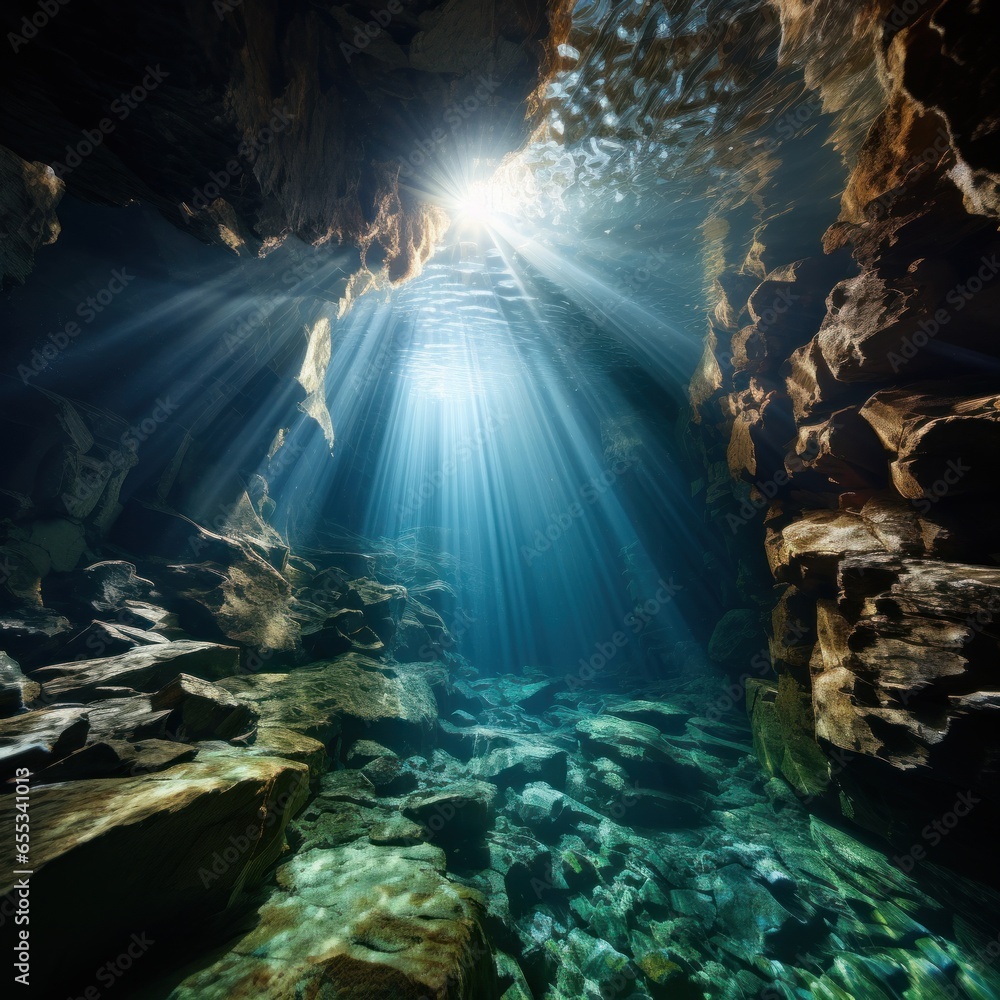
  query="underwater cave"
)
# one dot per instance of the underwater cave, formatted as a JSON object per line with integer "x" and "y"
{"x": 501, "y": 501}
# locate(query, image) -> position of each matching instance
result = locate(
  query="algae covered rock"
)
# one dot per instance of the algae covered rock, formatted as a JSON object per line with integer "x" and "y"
{"x": 784, "y": 735}
{"x": 150, "y": 852}
{"x": 358, "y": 920}
{"x": 460, "y": 813}
{"x": 352, "y": 696}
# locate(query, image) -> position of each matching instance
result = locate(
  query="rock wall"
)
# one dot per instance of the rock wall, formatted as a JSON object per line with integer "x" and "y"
{"x": 245, "y": 122}
{"x": 852, "y": 395}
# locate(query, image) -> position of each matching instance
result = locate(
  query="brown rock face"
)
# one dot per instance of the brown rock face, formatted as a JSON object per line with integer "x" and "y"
{"x": 864, "y": 413}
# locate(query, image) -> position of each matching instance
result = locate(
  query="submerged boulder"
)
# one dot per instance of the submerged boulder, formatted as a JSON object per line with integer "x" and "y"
{"x": 359, "y": 920}
{"x": 645, "y": 755}
{"x": 200, "y": 710}
{"x": 148, "y": 853}
{"x": 463, "y": 812}
{"x": 351, "y": 697}
{"x": 518, "y": 765}
{"x": 37, "y": 739}
{"x": 145, "y": 668}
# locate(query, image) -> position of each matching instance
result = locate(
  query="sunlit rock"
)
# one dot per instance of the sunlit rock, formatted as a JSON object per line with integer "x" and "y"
{"x": 352, "y": 697}
{"x": 359, "y": 919}
{"x": 169, "y": 837}
{"x": 809, "y": 549}
{"x": 36, "y": 739}
{"x": 936, "y": 443}
{"x": 145, "y": 668}
{"x": 200, "y": 710}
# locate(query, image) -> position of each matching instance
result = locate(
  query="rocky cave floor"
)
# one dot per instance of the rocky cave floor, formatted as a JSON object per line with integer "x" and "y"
{"x": 370, "y": 824}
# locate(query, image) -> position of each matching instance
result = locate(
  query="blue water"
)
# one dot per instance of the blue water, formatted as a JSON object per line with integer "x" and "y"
{"x": 511, "y": 414}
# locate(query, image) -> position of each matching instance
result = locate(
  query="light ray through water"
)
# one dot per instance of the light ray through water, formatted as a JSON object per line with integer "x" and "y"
{"x": 484, "y": 427}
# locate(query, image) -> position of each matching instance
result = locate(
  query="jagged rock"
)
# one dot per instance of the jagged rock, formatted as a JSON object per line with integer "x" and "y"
{"x": 648, "y": 758}
{"x": 843, "y": 449}
{"x": 584, "y": 959}
{"x": 382, "y": 921}
{"x": 276, "y": 741}
{"x": 807, "y": 551}
{"x": 219, "y": 587}
{"x": 785, "y": 309}
{"x": 533, "y": 696}
{"x": 734, "y": 289}
{"x": 755, "y": 920}
{"x": 460, "y": 814}
{"x": 663, "y": 715}
{"x": 116, "y": 758}
{"x": 397, "y": 831}
{"x": 351, "y": 697}
{"x": 468, "y": 740}
{"x": 38, "y": 739}
{"x": 145, "y": 668}
{"x": 365, "y": 751}
{"x": 200, "y": 710}
{"x": 528, "y": 874}
{"x": 540, "y": 806}
{"x": 127, "y": 718}
{"x": 29, "y": 634}
{"x": 100, "y": 639}
{"x": 876, "y": 326}
{"x": 762, "y": 424}
{"x": 151, "y": 618}
{"x": 182, "y": 843}
{"x": 348, "y": 786}
{"x": 365, "y": 617}
{"x": 511, "y": 979}
{"x": 390, "y": 775}
{"x": 516, "y": 766}
{"x": 936, "y": 440}
{"x": 892, "y": 522}
{"x": 15, "y": 688}
{"x": 845, "y": 716}
{"x": 100, "y": 590}
{"x": 665, "y": 979}
{"x": 793, "y": 633}
{"x": 707, "y": 379}
{"x": 811, "y": 385}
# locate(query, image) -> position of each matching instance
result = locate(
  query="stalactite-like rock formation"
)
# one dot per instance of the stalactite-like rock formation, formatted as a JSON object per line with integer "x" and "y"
{"x": 245, "y": 122}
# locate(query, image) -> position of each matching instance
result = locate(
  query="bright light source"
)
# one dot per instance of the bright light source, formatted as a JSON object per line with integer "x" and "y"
{"x": 478, "y": 203}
